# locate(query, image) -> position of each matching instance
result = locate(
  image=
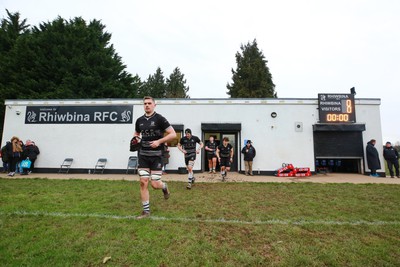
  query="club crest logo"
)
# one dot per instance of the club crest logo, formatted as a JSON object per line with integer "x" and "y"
{"x": 31, "y": 116}
{"x": 125, "y": 116}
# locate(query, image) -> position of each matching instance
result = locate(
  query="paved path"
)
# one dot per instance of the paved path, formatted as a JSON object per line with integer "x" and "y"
{"x": 232, "y": 177}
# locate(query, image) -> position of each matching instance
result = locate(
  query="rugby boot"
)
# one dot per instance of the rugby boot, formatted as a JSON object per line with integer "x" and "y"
{"x": 223, "y": 177}
{"x": 166, "y": 192}
{"x": 143, "y": 215}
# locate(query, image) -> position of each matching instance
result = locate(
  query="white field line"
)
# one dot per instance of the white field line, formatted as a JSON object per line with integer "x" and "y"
{"x": 156, "y": 218}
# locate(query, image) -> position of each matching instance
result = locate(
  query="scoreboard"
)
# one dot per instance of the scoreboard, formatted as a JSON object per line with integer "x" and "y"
{"x": 336, "y": 108}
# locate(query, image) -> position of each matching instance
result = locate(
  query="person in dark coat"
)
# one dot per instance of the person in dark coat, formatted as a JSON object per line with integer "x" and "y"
{"x": 373, "y": 158}
{"x": 14, "y": 151}
{"x": 392, "y": 158}
{"x": 31, "y": 151}
{"x": 249, "y": 154}
{"x": 5, "y": 156}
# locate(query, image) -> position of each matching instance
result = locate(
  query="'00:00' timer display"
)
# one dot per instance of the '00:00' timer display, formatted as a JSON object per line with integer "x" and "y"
{"x": 336, "y": 108}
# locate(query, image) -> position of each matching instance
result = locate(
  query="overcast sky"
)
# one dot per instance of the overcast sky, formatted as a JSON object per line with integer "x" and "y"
{"x": 312, "y": 46}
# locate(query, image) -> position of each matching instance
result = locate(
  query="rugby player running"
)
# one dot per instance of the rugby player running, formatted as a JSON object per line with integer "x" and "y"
{"x": 187, "y": 145}
{"x": 211, "y": 148}
{"x": 151, "y": 128}
{"x": 225, "y": 157}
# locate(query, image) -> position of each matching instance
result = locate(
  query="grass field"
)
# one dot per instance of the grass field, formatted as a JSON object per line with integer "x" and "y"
{"x": 80, "y": 222}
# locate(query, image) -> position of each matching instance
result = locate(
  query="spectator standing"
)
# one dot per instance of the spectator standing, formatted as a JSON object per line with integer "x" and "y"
{"x": 31, "y": 152}
{"x": 373, "y": 158}
{"x": 392, "y": 158}
{"x": 5, "y": 157}
{"x": 14, "y": 151}
{"x": 249, "y": 154}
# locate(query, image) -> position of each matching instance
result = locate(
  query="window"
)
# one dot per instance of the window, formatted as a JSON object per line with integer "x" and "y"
{"x": 179, "y": 133}
{"x": 174, "y": 142}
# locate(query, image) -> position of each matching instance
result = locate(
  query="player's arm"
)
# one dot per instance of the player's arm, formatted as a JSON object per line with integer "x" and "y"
{"x": 207, "y": 148}
{"x": 168, "y": 137}
{"x": 217, "y": 153}
{"x": 137, "y": 135}
{"x": 137, "y": 129}
{"x": 232, "y": 154}
{"x": 201, "y": 146}
{"x": 171, "y": 134}
{"x": 180, "y": 147}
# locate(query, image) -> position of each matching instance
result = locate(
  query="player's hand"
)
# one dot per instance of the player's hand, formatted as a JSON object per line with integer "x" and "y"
{"x": 155, "y": 144}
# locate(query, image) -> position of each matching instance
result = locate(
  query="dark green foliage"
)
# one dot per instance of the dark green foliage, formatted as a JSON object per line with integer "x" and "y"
{"x": 252, "y": 78}
{"x": 10, "y": 30}
{"x": 157, "y": 87}
{"x": 60, "y": 59}
{"x": 176, "y": 85}
{"x": 154, "y": 86}
{"x": 70, "y": 59}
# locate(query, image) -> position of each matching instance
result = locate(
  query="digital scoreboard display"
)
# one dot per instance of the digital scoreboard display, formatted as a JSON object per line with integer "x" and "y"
{"x": 336, "y": 108}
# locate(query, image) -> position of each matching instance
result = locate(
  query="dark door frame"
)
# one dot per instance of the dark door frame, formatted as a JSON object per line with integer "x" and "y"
{"x": 221, "y": 129}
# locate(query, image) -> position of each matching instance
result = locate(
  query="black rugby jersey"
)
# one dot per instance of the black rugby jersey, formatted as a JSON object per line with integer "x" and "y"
{"x": 189, "y": 144}
{"x": 212, "y": 146}
{"x": 151, "y": 129}
{"x": 225, "y": 152}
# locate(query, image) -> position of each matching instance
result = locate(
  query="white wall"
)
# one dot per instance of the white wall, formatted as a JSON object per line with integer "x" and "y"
{"x": 275, "y": 139}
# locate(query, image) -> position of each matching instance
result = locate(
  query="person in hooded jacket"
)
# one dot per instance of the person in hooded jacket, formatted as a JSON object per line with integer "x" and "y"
{"x": 249, "y": 153}
{"x": 392, "y": 158}
{"x": 31, "y": 152}
{"x": 373, "y": 158}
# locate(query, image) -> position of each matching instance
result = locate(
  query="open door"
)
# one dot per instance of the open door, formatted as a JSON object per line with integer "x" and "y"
{"x": 218, "y": 136}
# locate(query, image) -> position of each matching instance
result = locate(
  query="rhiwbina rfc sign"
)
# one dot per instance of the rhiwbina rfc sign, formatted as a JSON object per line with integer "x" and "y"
{"x": 79, "y": 114}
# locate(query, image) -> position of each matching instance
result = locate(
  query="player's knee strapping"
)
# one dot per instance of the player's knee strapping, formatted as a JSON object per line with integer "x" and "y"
{"x": 191, "y": 163}
{"x": 156, "y": 176}
{"x": 144, "y": 173}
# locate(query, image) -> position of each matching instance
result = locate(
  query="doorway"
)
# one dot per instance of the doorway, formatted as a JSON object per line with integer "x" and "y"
{"x": 339, "y": 165}
{"x": 219, "y": 131}
{"x": 338, "y": 148}
{"x": 218, "y": 136}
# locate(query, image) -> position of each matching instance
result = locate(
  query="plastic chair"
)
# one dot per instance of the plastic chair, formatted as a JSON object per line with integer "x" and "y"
{"x": 132, "y": 164}
{"x": 66, "y": 165}
{"x": 100, "y": 165}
